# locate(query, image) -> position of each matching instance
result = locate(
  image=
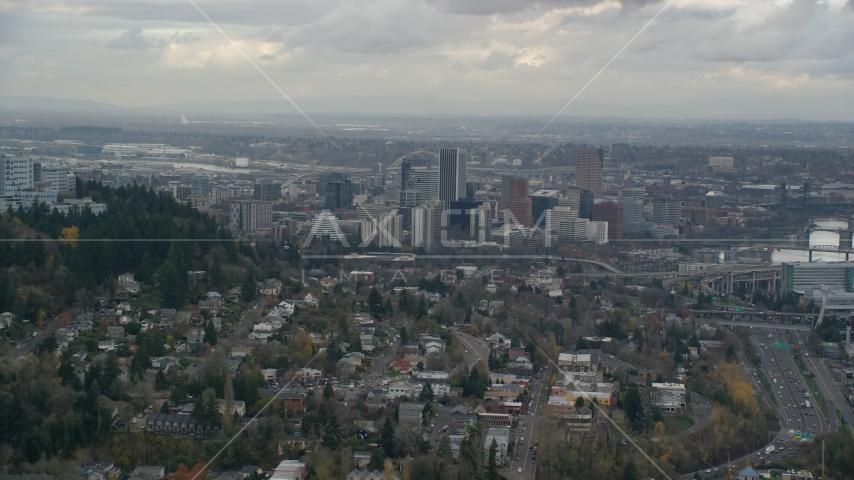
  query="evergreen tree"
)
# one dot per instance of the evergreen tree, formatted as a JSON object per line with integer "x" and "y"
{"x": 387, "y": 437}
{"x": 460, "y": 302}
{"x": 217, "y": 278}
{"x": 444, "y": 449}
{"x": 422, "y": 308}
{"x": 492, "y": 472}
{"x": 404, "y": 336}
{"x": 426, "y": 394}
{"x": 375, "y": 303}
{"x": 332, "y": 436}
{"x": 634, "y": 407}
{"x": 248, "y": 290}
{"x": 145, "y": 271}
{"x": 328, "y": 392}
{"x": 389, "y": 308}
{"x": 210, "y": 333}
{"x": 171, "y": 285}
{"x": 579, "y": 402}
{"x": 403, "y": 301}
{"x": 630, "y": 472}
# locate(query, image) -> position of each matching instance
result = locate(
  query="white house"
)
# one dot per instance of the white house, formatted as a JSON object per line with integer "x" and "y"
{"x": 107, "y": 346}
{"x": 400, "y": 389}
{"x": 434, "y": 347}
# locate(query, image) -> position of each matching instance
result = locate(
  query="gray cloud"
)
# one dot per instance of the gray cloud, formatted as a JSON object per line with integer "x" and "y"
{"x": 130, "y": 40}
{"x": 498, "y": 61}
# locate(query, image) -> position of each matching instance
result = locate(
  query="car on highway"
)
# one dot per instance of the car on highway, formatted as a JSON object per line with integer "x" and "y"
{"x": 519, "y": 470}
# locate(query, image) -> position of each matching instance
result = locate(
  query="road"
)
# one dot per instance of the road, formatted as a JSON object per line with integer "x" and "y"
{"x": 476, "y": 349}
{"x": 773, "y": 326}
{"x": 49, "y": 326}
{"x": 529, "y": 428}
{"x": 702, "y": 413}
{"x": 831, "y": 391}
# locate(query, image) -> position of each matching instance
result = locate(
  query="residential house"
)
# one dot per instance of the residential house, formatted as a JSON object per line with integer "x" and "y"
{"x": 107, "y": 346}
{"x": 290, "y": 442}
{"x": 462, "y": 414}
{"x": 310, "y": 300}
{"x": 357, "y": 474}
{"x": 400, "y": 389}
{"x": 238, "y": 407}
{"x": 401, "y": 367}
{"x": 6, "y": 319}
{"x": 501, "y": 437}
{"x": 98, "y": 471}
{"x": 115, "y": 331}
{"x": 289, "y": 470}
{"x": 409, "y": 418}
{"x": 270, "y": 287}
{"x": 361, "y": 458}
{"x": 434, "y": 347}
{"x": 147, "y": 472}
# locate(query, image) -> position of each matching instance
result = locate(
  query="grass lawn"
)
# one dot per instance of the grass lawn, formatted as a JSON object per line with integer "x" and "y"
{"x": 766, "y": 384}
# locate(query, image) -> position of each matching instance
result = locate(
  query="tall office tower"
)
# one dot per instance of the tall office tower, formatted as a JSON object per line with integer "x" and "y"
{"x": 611, "y": 213}
{"x": 571, "y": 198}
{"x": 666, "y": 212}
{"x": 405, "y": 167}
{"x": 585, "y": 204}
{"x": 378, "y": 169}
{"x": 588, "y": 169}
{"x": 417, "y": 225}
{"x": 426, "y": 224}
{"x": 201, "y": 186}
{"x": 541, "y": 201}
{"x": 249, "y": 216}
{"x": 373, "y": 182}
{"x": 410, "y": 198}
{"x": 632, "y": 201}
{"x": 480, "y": 222}
{"x": 326, "y": 178}
{"x": 16, "y": 174}
{"x": 182, "y": 192}
{"x": 339, "y": 195}
{"x": 452, "y": 174}
{"x": 267, "y": 191}
{"x": 424, "y": 180}
{"x": 505, "y": 187}
{"x": 516, "y": 200}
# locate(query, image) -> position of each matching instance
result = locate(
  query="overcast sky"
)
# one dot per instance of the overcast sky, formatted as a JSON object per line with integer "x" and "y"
{"x": 699, "y": 58}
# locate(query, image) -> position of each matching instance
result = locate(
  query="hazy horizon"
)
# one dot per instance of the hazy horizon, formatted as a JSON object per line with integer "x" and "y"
{"x": 699, "y": 59}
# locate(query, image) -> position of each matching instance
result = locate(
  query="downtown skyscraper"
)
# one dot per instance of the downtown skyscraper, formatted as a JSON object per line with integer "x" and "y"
{"x": 588, "y": 169}
{"x": 452, "y": 174}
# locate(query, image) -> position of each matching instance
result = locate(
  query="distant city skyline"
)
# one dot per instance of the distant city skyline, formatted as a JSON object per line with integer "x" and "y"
{"x": 701, "y": 58}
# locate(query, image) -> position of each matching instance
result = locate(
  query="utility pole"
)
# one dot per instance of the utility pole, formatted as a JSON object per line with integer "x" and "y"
{"x": 822, "y": 459}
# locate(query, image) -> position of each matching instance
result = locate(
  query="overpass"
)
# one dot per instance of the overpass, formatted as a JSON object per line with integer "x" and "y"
{"x": 765, "y": 325}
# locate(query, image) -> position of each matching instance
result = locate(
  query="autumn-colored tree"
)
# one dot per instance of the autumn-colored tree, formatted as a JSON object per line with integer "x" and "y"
{"x": 659, "y": 430}
{"x": 198, "y": 472}
{"x": 69, "y": 236}
{"x": 304, "y": 343}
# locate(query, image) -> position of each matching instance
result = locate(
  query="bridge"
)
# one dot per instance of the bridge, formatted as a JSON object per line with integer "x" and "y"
{"x": 778, "y": 326}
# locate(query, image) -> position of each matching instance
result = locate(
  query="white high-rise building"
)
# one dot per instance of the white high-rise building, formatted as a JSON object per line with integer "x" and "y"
{"x": 426, "y": 224}
{"x": 597, "y": 232}
{"x": 632, "y": 201}
{"x": 452, "y": 174}
{"x": 385, "y": 230}
{"x": 54, "y": 177}
{"x": 556, "y": 218}
{"x": 16, "y": 174}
